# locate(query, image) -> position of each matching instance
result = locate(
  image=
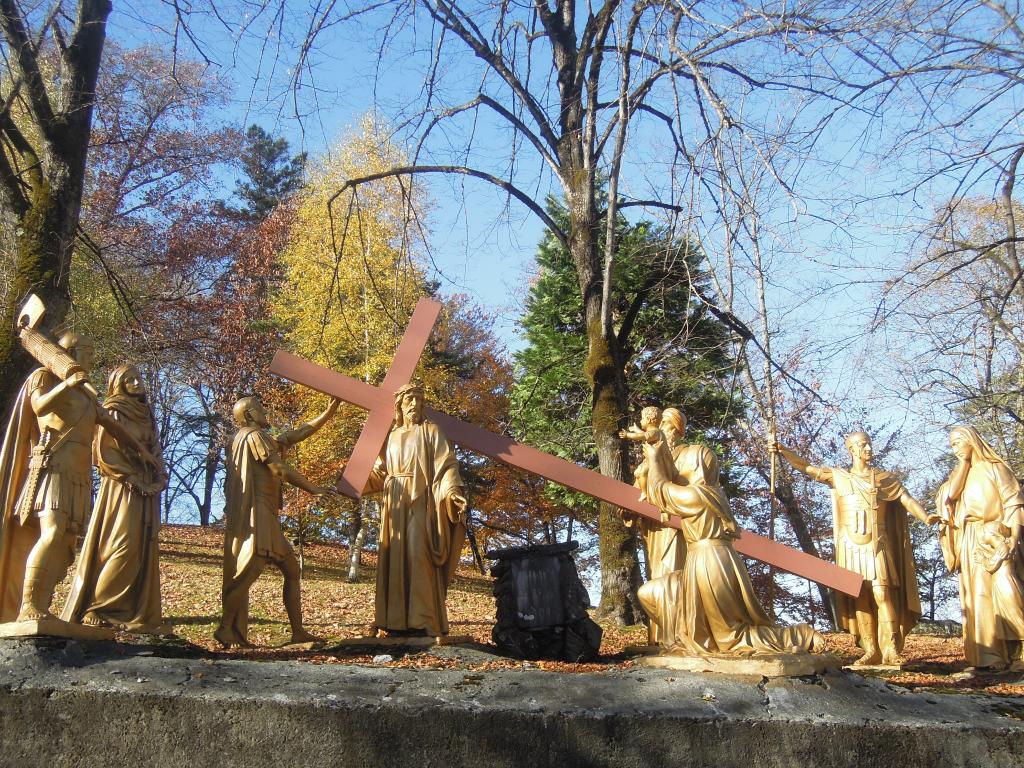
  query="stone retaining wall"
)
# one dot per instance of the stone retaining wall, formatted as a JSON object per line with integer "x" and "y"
{"x": 68, "y": 704}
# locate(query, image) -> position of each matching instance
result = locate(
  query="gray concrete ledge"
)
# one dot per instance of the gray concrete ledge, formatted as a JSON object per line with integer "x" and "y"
{"x": 69, "y": 704}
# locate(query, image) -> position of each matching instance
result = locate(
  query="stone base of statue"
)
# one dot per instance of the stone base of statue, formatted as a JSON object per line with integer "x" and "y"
{"x": 403, "y": 641}
{"x": 642, "y": 650}
{"x": 106, "y": 705}
{"x": 873, "y": 667}
{"x": 54, "y": 627}
{"x": 765, "y": 665}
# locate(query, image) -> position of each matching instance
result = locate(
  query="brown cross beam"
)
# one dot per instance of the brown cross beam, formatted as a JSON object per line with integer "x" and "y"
{"x": 379, "y": 401}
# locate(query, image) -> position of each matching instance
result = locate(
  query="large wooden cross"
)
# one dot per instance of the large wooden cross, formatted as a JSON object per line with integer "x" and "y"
{"x": 379, "y": 401}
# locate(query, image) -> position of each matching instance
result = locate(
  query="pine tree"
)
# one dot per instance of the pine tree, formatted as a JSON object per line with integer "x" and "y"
{"x": 674, "y": 353}
{"x": 271, "y": 176}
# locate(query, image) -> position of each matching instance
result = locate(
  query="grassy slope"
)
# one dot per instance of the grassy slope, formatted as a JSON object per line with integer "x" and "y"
{"x": 191, "y": 560}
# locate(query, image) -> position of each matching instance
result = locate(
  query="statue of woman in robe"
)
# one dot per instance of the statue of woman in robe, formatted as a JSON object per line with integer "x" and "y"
{"x": 709, "y": 606}
{"x": 983, "y": 511}
{"x": 117, "y": 579}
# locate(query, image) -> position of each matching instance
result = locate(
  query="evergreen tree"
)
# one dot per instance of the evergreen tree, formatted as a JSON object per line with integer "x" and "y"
{"x": 270, "y": 174}
{"x": 673, "y": 351}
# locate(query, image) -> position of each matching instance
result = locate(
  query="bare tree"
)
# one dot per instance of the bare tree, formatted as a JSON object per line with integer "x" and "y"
{"x": 956, "y": 72}
{"x": 584, "y": 95}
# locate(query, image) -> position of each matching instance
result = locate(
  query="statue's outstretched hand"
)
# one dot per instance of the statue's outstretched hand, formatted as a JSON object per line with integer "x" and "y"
{"x": 327, "y": 494}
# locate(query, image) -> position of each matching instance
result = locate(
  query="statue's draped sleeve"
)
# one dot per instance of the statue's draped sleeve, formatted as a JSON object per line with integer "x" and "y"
{"x": 448, "y": 528}
{"x": 22, "y": 434}
{"x": 701, "y": 494}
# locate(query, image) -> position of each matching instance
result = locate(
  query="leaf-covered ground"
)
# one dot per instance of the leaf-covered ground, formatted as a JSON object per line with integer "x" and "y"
{"x": 334, "y": 609}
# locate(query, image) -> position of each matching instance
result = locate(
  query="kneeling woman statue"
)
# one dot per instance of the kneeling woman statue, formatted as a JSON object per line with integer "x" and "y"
{"x": 708, "y": 607}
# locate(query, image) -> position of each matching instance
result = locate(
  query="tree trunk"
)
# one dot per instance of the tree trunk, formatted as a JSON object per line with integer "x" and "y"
{"x": 42, "y": 265}
{"x": 47, "y": 211}
{"x": 211, "y": 466}
{"x": 620, "y": 566}
{"x": 356, "y": 539}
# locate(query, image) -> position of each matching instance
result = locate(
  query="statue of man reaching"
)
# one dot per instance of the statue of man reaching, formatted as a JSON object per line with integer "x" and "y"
{"x": 870, "y": 508}
{"x": 252, "y": 533}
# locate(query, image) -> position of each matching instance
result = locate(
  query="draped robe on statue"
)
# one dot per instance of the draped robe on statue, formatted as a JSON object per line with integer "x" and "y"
{"x": 666, "y": 548}
{"x": 117, "y": 579}
{"x": 15, "y": 543}
{"x": 993, "y": 602}
{"x": 421, "y": 531}
{"x": 252, "y": 529}
{"x": 709, "y": 606}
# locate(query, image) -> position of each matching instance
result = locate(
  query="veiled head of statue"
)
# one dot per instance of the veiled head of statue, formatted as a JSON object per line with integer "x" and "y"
{"x": 967, "y": 443}
{"x": 673, "y": 420}
{"x": 249, "y": 412}
{"x": 125, "y": 380}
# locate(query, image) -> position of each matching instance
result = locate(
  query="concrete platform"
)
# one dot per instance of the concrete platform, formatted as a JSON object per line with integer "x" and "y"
{"x": 74, "y": 704}
{"x": 762, "y": 665}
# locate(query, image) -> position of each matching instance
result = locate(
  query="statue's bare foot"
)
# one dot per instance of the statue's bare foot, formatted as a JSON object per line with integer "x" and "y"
{"x": 892, "y": 658}
{"x": 872, "y": 656}
{"x": 302, "y": 636}
{"x": 230, "y": 639}
{"x": 30, "y": 613}
{"x": 92, "y": 620}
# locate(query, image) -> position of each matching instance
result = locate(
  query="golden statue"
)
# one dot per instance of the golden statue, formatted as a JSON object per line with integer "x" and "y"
{"x": 46, "y": 473}
{"x": 984, "y": 510}
{"x": 252, "y": 531}
{"x": 666, "y": 546}
{"x": 422, "y": 521}
{"x": 117, "y": 579}
{"x": 870, "y": 508}
{"x": 709, "y": 606}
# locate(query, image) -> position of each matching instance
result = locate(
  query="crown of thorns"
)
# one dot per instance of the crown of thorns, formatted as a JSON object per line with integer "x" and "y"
{"x": 401, "y": 392}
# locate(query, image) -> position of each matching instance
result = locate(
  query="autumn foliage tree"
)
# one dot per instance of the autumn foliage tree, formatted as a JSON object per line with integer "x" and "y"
{"x": 347, "y": 290}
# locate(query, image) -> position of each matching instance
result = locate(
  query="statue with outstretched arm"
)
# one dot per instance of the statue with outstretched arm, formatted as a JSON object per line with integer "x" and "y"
{"x": 870, "y": 508}
{"x": 253, "y": 537}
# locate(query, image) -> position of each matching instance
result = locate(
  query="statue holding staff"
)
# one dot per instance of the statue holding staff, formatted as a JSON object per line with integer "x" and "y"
{"x": 870, "y": 508}
{"x": 47, "y": 474}
{"x": 46, "y": 469}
